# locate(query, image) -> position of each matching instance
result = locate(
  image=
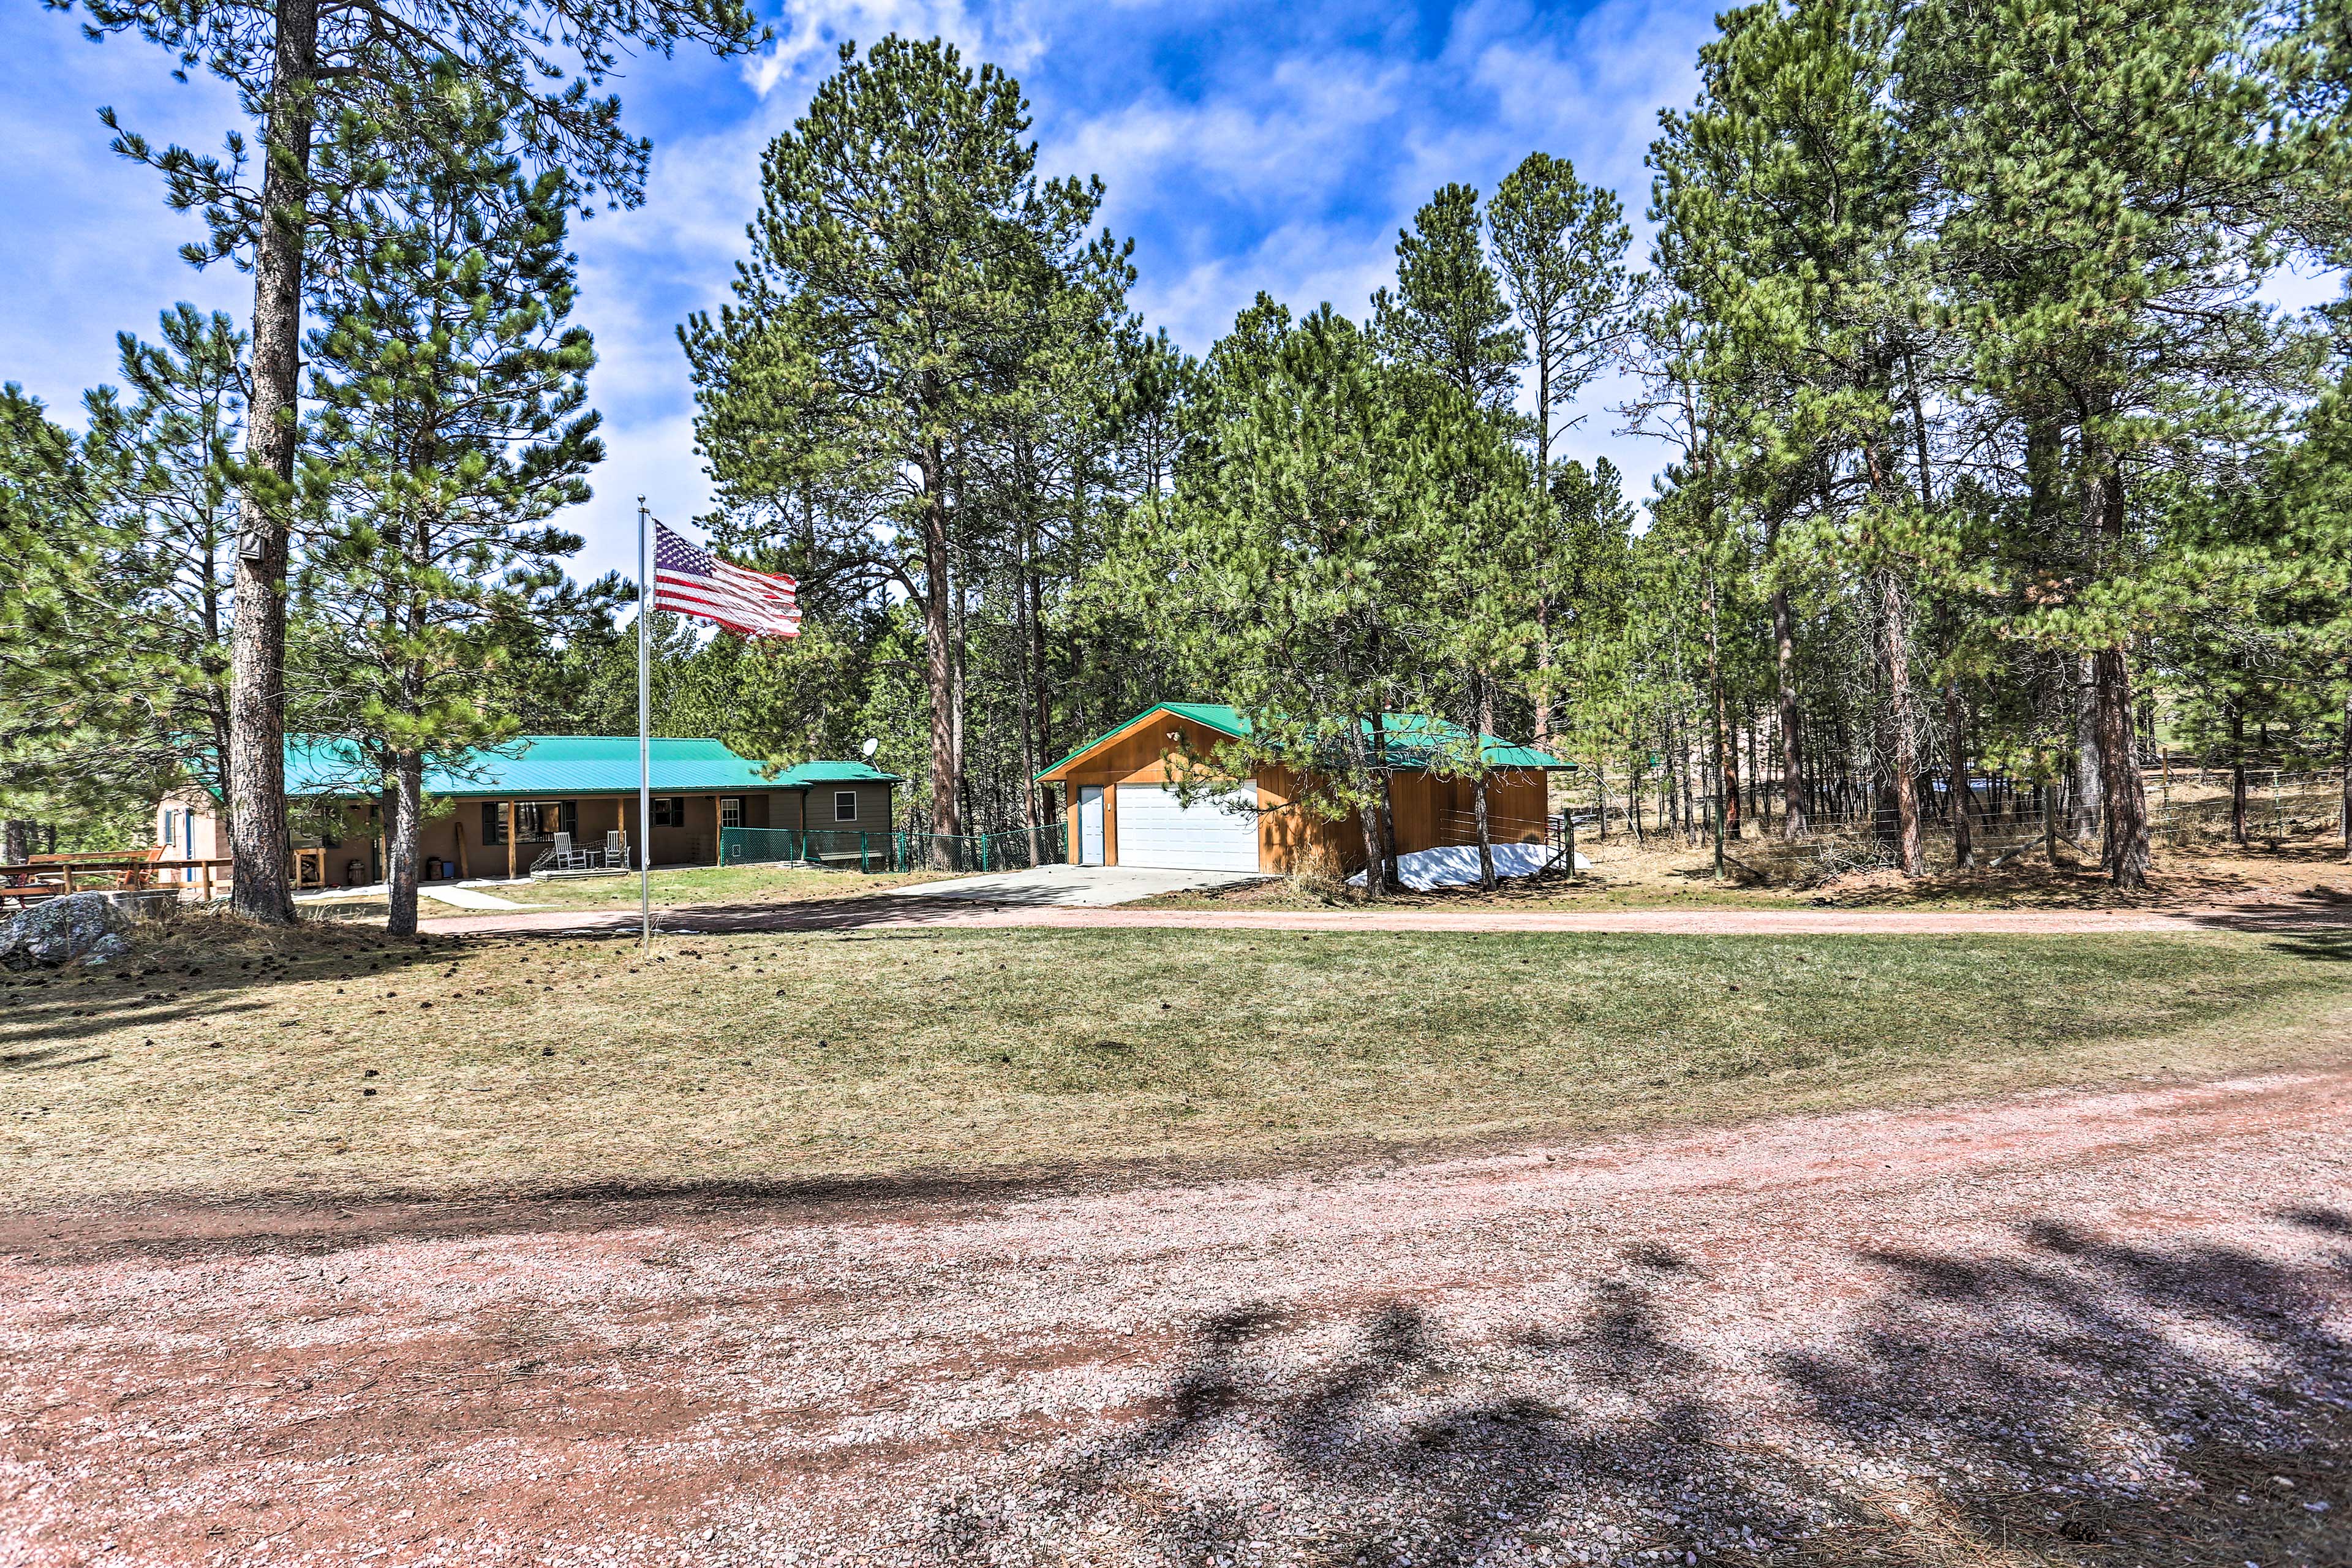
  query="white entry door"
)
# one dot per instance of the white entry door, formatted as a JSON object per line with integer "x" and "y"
{"x": 1156, "y": 829}
{"x": 1090, "y": 824}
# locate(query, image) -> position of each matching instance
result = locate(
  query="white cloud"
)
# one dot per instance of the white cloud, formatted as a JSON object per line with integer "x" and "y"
{"x": 811, "y": 31}
{"x": 654, "y": 459}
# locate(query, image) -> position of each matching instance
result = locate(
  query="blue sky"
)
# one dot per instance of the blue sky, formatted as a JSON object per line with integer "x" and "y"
{"x": 1245, "y": 146}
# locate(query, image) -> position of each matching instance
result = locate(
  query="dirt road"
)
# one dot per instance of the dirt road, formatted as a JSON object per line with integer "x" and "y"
{"x": 2095, "y": 1328}
{"x": 851, "y": 914}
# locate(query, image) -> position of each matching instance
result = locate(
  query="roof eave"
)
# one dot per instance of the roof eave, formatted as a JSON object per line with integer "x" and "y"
{"x": 1059, "y": 772}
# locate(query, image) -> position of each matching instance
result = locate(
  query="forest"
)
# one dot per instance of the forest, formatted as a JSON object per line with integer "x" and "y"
{"x": 1997, "y": 482}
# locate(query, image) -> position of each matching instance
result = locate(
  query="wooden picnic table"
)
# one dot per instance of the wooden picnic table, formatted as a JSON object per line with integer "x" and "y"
{"x": 54, "y": 876}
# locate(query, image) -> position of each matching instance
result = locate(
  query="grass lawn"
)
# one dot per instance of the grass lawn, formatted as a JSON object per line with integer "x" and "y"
{"x": 232, "y": 1063}
{"x": 693, "y": 885}
{"x": 710, "y": 885}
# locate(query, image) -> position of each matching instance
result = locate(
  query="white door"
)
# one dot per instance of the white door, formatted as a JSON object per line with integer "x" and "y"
{"x": 1090, "y": 824}
{"x": 1156, "y": 829}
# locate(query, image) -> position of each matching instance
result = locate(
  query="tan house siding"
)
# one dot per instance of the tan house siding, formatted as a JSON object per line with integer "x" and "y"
{"x": 872, "y": 802}
{"x": 456, "y": 837}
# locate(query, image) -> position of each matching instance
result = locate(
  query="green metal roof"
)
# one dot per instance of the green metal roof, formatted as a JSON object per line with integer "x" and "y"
{"x": 1410, "y": 737}
{"x": 540, "y": 766}
{"x": 800, "y": 775}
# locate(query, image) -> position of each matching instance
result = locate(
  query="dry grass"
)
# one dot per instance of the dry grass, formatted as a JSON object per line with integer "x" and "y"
{"x": 228, "y": 1061}
{"x": 1841, "y": 871}
{"x": 735, "y": 885}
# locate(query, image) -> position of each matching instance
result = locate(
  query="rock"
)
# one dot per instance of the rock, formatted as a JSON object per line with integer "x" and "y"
{"x": 87, "y": 926}
{"x": 110, "y": 947}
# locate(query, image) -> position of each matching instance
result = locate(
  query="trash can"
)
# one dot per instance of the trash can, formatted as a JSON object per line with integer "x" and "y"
{"x": 433, "y": 867}
{"x": 351, "y": 874}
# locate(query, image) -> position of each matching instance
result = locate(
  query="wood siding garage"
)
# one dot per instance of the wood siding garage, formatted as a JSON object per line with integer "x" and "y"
{"x": 1130, "y": 768}
{"x": 1156, "y": 828}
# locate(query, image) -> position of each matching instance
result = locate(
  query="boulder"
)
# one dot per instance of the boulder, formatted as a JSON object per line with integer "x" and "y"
{"x": 87, "y": 926}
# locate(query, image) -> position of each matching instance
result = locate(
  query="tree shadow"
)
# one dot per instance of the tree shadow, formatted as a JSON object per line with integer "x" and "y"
{"x": 2068, "y": 1400}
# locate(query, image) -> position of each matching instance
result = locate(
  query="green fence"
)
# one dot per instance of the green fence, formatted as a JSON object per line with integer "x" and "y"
{"x": 872, "y": 851}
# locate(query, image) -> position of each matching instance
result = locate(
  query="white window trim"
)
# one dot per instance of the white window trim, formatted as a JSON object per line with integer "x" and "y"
{"x": 851, "y": 796}
{"x": 730, "y": 803}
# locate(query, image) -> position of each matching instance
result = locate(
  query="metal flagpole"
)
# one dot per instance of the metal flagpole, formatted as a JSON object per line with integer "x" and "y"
{"x": 645, "y": 733}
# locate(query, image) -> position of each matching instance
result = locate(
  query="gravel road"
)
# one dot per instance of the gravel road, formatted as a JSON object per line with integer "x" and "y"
{"x": 2100, "y": 1328}
{"x": 886, "y": 913}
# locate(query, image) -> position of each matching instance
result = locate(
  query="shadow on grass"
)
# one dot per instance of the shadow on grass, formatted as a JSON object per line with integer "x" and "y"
{"x": 2073, "y": 1401}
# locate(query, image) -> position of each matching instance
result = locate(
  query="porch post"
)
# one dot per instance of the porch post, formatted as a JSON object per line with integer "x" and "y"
{"x": 510, "y": 841}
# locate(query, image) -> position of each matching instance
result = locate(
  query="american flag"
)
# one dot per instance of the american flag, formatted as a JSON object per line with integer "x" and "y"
{"x": 691, "y": 581}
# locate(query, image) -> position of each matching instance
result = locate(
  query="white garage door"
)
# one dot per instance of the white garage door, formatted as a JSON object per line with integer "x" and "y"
{"x": 1155, "y": 830}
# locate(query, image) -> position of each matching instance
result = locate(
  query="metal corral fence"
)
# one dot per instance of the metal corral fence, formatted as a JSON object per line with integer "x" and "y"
{"x": 877, "y": 852}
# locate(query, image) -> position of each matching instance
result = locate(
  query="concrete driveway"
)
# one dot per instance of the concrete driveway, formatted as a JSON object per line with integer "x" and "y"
{"x": 1073, "y": 887}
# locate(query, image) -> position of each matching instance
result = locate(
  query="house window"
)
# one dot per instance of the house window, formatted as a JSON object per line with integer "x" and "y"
{"x": 171, "y": 830}
{"x": 669, "y": 811}
{"x": 543, "y": 819}
{"x": 845, "y": 806}
{"x": 731, "y": 811}
{"x": 494, "y": 822}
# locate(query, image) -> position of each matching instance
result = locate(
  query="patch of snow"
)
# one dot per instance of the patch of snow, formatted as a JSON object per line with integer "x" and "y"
{"x": 1456, "y": 865}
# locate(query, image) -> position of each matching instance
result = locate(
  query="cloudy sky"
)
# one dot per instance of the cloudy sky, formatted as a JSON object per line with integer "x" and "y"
{"x": 1247, "y": 147}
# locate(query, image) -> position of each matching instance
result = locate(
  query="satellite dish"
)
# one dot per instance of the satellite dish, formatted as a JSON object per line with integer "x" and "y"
{"x": 868, "y": 749}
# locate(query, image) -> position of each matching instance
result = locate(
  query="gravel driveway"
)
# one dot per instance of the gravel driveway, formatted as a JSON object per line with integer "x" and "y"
{"x": 2100, "y": 1328}
{"x": 898, "y": 911}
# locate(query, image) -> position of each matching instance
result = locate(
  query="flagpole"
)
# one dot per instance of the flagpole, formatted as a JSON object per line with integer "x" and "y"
{"x": 645, "y": 735}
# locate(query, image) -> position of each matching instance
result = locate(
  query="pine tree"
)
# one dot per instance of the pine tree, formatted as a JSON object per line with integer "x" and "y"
{"x": 1448, "y": 314}
{"x": 452, "y": 425}
{"x": 1559, "y": 245}
{"x": 887, "y": 327}
{"x": 301, "y": 68}
{"x": 116, "y": 639}
{"x": 1330, "y": 555}
{"x": 2113, "y": 186}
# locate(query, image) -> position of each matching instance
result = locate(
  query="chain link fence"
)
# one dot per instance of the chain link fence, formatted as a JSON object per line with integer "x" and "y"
{"x": 1011, "y": 850}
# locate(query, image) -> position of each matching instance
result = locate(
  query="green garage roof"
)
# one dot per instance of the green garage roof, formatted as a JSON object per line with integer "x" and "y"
{"x": 1410, "y": 737}
{"x": 540, "y": 766}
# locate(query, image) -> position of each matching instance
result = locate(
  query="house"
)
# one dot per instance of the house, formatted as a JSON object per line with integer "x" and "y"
{"x": 499, "y": 808}
{"x": 1124, "y": 812}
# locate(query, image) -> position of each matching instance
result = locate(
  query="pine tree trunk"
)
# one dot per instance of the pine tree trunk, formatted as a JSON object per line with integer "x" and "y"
{"x": 1689, "y": 805}
{"x": 1902, "y": 759}
{"x": 256, "y": 761}
{"x": 1543, "y": 678}
{"x": 1726, "y": 794}
{"x": 1963, "y": 798}
{"x": 1391, "y": 880}
{"x": 2125, "y": 849}
{"x": 2082, "y": 811}
{"x": 1600, "y": 798}
{"x": 939, "y": 657}
{"x": 2237, "y": 775}
{"x": 16, "y": 841}
{"x": 2344, "y": 763}
{"x": 1375, "y": 873}
{"x": 403, "y": 811}
{"x": 1042, "y": 697}
{"x": 1478, "y": 790}
{"x": 1375, "y": 821}
{"x": 1032, "y": 690}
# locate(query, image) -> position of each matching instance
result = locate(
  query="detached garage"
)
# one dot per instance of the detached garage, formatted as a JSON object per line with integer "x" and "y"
{"x": 1156, "y": 828}
{"x": 1125, "y": 812}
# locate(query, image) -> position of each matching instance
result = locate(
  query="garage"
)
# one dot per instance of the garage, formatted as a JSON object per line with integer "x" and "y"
{"x": 1156, "y": 828}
